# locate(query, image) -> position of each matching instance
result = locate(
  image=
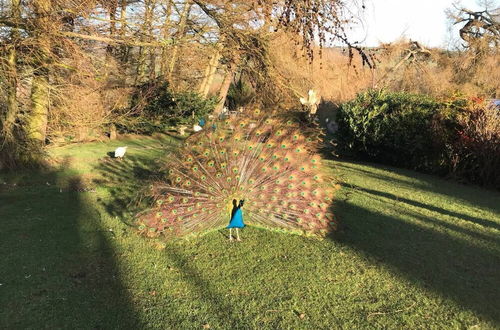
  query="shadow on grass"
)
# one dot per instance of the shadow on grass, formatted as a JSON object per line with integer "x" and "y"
{"x": 424, "y": 182}
{"x": 461, "y": 216}
{"x": 125, "y": 181}
{"x": 206, "y": 292}
{"x": 440, "y": 224}
{"x": 453, "y": 267}
{"x": 58, "y": 266}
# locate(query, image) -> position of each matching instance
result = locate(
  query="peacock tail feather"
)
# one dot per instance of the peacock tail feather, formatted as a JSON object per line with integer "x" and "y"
{"x": 269, "y": 163}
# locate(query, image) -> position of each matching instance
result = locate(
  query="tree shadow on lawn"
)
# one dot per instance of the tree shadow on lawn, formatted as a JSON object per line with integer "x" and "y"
{"x": 215, "y": 301}
{"x": 454, "y": 267}
{"x": 442, "y": 224}
{"x": 424, "y": 182}
{"x": 461, "y": 216}
{"x": 58, "y": 266}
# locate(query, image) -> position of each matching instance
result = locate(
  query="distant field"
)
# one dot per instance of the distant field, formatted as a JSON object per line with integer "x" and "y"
{"x": 414, "y": 251}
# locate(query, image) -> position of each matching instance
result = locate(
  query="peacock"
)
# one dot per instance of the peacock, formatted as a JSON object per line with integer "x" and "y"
{"x": 267, "y": 161}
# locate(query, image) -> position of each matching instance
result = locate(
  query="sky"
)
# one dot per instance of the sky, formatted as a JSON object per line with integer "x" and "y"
{"x": 420, "y": 20}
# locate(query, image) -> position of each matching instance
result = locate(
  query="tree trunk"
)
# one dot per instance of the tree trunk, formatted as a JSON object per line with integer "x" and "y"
{"x": 37, "y": 124}
{"x": 12, "y": 108}
{"x": 152, "y": 50}
{"x": 37, "y": 120}
{"x": 145, "y": 31}
{"x": 141, "y": 66}
{"x": 179, "y": 36}
{"x": 203, "y": 84}
{"x": 267, "y": 19}
{"x": 152, "y": 63}
{"x": 123, "y": 30}
{"x": 210, "y": 72}
{"x": 123, "y": 17}
{"x": 224, "y": 89}
{"x": 165, "y": 37}
{"x": 112, "y": 25}
{"x": 9, "y": 117}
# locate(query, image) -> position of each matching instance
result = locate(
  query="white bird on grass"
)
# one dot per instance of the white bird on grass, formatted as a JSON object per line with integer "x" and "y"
{"x": 120, "y": 152}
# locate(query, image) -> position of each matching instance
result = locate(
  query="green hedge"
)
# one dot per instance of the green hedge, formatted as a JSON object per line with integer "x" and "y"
{"x": 459, "y": 138}
{"x": 394, "y": 128}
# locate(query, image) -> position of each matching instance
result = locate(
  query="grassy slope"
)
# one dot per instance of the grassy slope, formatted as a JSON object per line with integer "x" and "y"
{"x": 414, "y": 251}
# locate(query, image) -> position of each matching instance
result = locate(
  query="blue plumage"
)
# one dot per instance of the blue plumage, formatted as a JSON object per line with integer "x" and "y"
{"x": 236, "y": 219}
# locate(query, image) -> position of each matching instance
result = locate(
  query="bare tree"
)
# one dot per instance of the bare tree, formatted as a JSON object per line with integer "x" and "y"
{"x": 11, "y": 108}
{"x": 479, "y": 29}
{"x": 178, "y": 36}
{"x": 37, "y": 120}
{"x": 88, "y": 49}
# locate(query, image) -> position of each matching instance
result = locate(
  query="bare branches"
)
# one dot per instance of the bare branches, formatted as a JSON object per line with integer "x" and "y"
{"x": 480, "y": 27}
{"x": 8, "y": 22}
{"x": 130, "y": 42}
{"x": 71, "y": 49}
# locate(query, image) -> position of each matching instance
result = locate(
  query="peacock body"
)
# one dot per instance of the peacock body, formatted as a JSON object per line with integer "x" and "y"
{"x": 266, "y": 161}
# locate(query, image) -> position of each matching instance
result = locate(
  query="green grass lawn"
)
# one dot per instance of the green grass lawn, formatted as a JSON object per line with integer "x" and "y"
{"x": 413, "y": 251}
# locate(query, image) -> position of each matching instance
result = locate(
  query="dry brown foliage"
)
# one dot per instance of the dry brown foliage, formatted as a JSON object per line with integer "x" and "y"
{"x": 401, "y": 66}
{"x": 92, "y": 54}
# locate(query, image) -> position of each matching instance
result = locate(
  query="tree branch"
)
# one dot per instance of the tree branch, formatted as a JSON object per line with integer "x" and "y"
{"x": 111, "y": 40}
{"x": 7, "y": 22}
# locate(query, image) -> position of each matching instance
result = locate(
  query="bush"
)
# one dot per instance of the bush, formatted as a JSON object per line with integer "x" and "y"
{"x": 458, "y": 137}
{"x": 475, "y": 153}
{"x": 155, "y": 108}
{"x": 394, "y": 128}
{"x": 240, "y": 94}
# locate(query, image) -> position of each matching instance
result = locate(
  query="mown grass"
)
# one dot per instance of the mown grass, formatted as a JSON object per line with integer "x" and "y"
{"x": 413, "y": 251}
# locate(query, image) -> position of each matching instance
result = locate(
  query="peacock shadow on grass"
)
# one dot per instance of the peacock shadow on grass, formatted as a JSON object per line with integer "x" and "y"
{"x": 125, "y": 180}
{"x": 455, "y": 262}
{"x": 58, "y": 267}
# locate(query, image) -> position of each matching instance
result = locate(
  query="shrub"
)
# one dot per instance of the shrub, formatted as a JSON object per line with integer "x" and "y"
{"x": 240, "y": 94}
{"x": 155, "y": 108}
{"x": 475, "y": 153}
{"x": 395, "y": 128}
{"x": 457, "y": 137}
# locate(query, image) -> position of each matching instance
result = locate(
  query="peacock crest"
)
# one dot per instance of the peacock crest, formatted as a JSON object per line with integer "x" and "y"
{"x": 268, "y": 162}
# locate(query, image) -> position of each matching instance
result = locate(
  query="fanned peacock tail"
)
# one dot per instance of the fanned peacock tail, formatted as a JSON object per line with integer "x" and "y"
{"x": 267, "y": 162}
